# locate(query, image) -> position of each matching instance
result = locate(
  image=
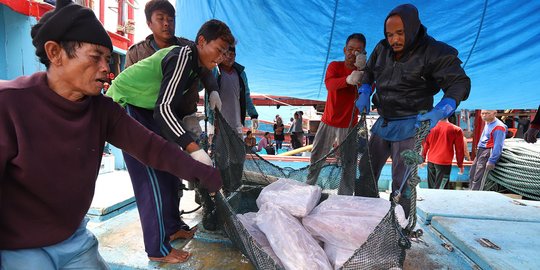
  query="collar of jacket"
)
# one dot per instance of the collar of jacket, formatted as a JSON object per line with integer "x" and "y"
{"x": 180, "y": 41}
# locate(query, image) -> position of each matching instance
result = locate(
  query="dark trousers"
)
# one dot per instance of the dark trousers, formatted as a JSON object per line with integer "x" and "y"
{"x": 478, "y": 168}
{"x": 379, "y": 150}
{"x": 437, "y": 173}
{"x": 156, "y": 194}
{"x": 279, "y": 144}
{"x": 296, "y": 139}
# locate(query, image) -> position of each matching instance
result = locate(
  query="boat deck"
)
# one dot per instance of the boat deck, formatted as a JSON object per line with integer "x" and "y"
{"x": 451, "y": 221}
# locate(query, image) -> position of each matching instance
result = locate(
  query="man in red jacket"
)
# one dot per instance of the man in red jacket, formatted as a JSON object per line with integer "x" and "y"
{"x": 342, "y": 80}
{"x": 439, "y": 146}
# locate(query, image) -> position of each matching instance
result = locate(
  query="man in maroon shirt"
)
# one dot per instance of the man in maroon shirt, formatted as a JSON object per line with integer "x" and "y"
{"x": 340, "y": 114}
{"x": 53, "y": 128}
{"x": 439, "y": 147}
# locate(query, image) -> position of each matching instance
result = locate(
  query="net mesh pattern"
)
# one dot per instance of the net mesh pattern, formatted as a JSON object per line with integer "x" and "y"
{"x": 245, "y": 173}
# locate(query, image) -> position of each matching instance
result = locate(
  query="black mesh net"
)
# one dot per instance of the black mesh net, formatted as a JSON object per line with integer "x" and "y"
{"x": 245, "y": 173}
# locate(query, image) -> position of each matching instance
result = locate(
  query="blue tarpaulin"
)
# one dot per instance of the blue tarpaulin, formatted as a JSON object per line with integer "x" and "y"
{"x": 286, "y": 46}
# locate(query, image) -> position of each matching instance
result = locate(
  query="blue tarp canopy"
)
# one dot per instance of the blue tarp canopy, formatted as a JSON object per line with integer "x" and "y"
{"x": 286, "y": 46}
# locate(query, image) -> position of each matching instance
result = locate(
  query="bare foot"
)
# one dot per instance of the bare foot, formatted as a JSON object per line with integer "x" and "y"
{"x": 183, "y": 234}
{"x": 175, "y": 256}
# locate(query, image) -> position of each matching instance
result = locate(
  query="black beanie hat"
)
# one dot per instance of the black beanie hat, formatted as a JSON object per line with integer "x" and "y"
{"x": 69, "y": 22}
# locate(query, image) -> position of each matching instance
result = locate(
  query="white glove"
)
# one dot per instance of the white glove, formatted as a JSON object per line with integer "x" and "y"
{"x": 255, "y": 124}
{"x": 215, "y": 101}
{"x": 355, "y": 78}
{"x": 360, "y": 61}
{"x": 202, "y": 157}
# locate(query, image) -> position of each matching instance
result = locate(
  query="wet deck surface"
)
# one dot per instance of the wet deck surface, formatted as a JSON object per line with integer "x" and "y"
{"x": 486, "y": 205}
{"x": 121, "y": 240}
{"x": 121, "y": 243}
{"x": 464, "y": 217}
{"x": 517, "y": 244}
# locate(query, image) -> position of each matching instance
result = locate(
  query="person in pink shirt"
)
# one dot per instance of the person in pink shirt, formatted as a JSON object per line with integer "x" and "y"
{"x": 267, "y": 144}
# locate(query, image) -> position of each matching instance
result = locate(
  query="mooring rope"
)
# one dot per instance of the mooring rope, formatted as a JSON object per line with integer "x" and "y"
{"x": 518, "y": 169}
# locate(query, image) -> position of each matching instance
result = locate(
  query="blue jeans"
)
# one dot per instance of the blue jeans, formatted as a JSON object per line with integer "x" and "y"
{"x": 79, "y": 251}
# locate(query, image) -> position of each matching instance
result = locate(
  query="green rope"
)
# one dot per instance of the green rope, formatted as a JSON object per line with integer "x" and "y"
{"x": 412, "y": 159}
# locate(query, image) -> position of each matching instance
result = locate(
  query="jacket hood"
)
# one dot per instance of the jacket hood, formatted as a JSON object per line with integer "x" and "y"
{"x": 411, "y": 23}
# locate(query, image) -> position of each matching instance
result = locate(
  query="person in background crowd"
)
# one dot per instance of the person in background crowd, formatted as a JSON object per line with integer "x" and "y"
{"x": 296, "y": 131}
{"x": 439, "y": 147}
{"x": 489, "y": 149}
{"x": 523, "y": 124}
{"x": 235, "y": 94}
{"x": 250, "y": 141}
{"x": 279, "y": 135}
{"x": 266, "y": 144}
{"x": 532, "y": 133}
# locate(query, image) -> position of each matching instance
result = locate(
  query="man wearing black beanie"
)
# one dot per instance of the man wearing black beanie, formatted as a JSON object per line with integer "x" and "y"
{"x": 53, "y": 128}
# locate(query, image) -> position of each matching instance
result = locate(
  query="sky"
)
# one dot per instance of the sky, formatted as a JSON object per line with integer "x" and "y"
{"x": 141, "y": 29}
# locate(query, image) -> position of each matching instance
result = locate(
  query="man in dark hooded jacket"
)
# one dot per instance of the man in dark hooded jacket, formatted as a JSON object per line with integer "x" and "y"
{"x": 408, "y": 68}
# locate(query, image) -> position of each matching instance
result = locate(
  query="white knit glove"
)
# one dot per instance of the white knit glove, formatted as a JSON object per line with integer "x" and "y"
{"x": 215, "y": 101}
{"x": 360, "y": 63}
{"x": 202, "y": 157}
{"x": 355, "y": 78}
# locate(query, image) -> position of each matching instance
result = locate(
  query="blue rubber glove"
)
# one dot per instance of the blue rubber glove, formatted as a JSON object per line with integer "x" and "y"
{"x": 443, "y": 109}
{"x": 363, "y": 102}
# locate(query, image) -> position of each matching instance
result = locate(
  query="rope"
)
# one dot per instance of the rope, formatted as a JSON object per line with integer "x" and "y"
{"x": 329, "y": 46}
{"x": 214, "y": 9}
{"x": 278, "y": 101}
{"x": 517, "y": 170}
{"x": 190, "y": 211}
{"x": 412, "y": 159}
{"x": 477, "y": 34}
